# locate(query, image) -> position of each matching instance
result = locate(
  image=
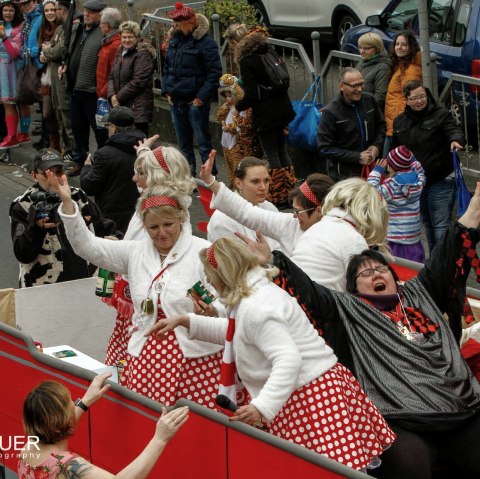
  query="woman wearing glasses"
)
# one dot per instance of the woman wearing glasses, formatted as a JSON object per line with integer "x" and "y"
{"x": 324, "y": 230}
{"x": 374, "y": 66}
{"x": 430, "y": 132}
{"x": 397, "y": 343}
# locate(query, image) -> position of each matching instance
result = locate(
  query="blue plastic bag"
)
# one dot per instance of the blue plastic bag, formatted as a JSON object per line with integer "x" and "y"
{"x": 463, "y": 195}
{"x": 103, "y": 108}
{"x": 302, "y": 131}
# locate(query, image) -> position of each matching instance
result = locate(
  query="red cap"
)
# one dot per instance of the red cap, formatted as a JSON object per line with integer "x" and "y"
{"x": 181, "y": 12}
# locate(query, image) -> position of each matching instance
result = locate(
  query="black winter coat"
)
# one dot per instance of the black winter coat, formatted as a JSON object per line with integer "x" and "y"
{"x": 109, "y": 179}
{"x": 131, "y": 80}
{"x": 428, "y": 135}
{"x": 345, "y": 131}
{"x": 269, "y": 109}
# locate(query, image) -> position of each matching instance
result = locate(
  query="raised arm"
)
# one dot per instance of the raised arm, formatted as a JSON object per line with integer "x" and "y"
{"x": 282, "y": 227}
{"x": 112, "y": 255}
{"x": 446, "y": 271}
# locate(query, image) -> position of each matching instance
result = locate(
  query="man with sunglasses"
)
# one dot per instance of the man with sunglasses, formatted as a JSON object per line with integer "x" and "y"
{"x": 352, "y": 128}
{"x": 39, "y": 240}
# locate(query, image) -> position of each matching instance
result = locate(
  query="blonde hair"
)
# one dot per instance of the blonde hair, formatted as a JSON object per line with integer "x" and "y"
{"x": 178, "y": 177}
{"x": 168, "y": 211}
{"x": 48, "y": 413}
{"x": 234, "y": 261}
{"x": 371, "y": 39}
{"x": 366, "y": 206}
{"x": 235, "y": 32}
{"x": 131, "y": 27}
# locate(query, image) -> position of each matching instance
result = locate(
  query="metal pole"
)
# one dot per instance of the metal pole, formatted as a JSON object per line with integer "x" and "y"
{"x": 130, "y": 9}
{"x": 316, "y": 53}
{"x": 216, "y": 28}
{"x": 425, "y": 43}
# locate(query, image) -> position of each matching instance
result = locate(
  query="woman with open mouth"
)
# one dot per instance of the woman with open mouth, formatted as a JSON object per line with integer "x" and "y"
{"x": 396, "y": 341}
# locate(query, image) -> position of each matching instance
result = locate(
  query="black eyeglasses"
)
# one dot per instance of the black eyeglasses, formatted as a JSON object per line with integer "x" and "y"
{"x": 366, "y": 273}
{"x": 355, "y": 86}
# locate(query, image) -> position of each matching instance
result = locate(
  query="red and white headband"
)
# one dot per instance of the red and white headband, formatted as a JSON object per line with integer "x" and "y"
{"x": 308, "y": 193}
{"x": 153, "y": 201}
{"x": 211, "y": 257}
{"x": 158, "y": 153}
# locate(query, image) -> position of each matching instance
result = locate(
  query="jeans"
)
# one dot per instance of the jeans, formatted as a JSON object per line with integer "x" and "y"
{"x": 436, "y": 207}
{"x": 83, "y": 106}
{"x": 274, "y": 145}
{"x": 192, "y": 122}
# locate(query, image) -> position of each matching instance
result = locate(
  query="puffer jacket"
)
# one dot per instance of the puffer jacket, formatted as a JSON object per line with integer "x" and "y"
{"x": 269, "y": 109}
{"x": 131, "y": 80}
{"x": 428, "y": 134}
{"x": 345, "y": 130}
{"x": 106, "y": 57}
{"x": 376, "y": 73}
{"x": 30, "y": 28}
{"x": 192, "y": 65}
{"x": 395, "y": 101}
{"x": 109, "y": 178}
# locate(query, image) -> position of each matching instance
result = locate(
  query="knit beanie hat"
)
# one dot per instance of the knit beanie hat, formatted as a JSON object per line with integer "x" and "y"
{"x": 400, "y": 158}
{"x": 181, "y": 12}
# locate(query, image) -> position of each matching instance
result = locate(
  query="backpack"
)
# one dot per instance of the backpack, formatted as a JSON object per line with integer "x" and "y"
{"x": 276, "y": 70}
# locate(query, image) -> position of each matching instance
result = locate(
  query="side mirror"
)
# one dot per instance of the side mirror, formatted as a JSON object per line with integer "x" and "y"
{"x": 373, "y": 21}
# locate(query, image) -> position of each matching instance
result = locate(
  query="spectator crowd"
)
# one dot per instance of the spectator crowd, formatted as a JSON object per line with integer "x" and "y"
{"x": 301, "y": 322}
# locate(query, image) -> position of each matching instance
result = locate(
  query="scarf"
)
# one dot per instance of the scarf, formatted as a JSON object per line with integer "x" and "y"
{"x": 228, "y": 370}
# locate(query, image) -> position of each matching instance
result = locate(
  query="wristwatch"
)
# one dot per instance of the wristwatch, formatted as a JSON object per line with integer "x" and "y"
{"x": 79, "y": 403}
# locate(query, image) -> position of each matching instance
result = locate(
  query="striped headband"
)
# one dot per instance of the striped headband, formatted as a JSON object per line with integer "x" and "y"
{"x": 308, "y": 193}
{"x": 158, "y": 153}
{"x": 211, "y": 257}
{"x": 158, "y": 201}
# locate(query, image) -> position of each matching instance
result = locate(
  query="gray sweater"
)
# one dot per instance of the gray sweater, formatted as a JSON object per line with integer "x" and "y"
{"x": 376, "y": 73}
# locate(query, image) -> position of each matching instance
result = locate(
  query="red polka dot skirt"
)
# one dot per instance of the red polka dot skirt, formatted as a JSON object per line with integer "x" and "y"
{"x": 334, "y": 417}
{"x": 122, "y": 302}
{"x": 162, "y": 373}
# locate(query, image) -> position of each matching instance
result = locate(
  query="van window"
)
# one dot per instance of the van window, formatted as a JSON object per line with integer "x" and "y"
{"x": 441, "y": 19}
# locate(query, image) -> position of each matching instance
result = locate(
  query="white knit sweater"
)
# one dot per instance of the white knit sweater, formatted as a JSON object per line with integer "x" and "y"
{"x": 221, "y": 225}
{"x": 323, "y": 251}
{"x": 276, "y": 349}
{"x": 282, "y": 227}
{"x": 141, "y": 262}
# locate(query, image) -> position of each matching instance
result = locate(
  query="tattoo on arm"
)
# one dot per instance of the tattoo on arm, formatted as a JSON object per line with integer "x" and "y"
{"x": 78, "y": 468}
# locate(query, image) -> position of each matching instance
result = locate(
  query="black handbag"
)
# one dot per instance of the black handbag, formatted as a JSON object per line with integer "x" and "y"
{"x": 28, "y": 82}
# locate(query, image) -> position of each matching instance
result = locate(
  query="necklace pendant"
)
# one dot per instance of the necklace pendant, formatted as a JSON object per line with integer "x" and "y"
{"x": 147, "y": 306}
{"x": 406, "y": 333}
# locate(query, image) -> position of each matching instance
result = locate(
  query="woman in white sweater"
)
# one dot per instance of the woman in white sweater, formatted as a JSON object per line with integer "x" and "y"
{"x": 166, "y": 166}
{"x": 319, "y": 239}
{"x": 296, "y": 385}
{"x": 161, "y": 268}
{"x": 251, "y": 181}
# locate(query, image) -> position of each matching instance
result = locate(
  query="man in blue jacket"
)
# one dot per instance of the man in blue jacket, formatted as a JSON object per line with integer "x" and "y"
{"x": 190, "y": 81}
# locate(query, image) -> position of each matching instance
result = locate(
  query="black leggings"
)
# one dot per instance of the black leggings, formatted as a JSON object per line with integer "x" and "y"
{"x": 414, "y": 454}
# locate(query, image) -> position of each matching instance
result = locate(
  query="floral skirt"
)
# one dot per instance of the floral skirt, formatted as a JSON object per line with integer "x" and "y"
{"x": 163, "y": 374}
{"x": 333, "y": 416}
{"x": 122, "y": 302}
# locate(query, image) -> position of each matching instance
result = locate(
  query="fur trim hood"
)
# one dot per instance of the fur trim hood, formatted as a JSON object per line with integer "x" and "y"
{"x": 200, "y": 31}
{"x": 252, "y": 43}
{"x": 145, "y": 45}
